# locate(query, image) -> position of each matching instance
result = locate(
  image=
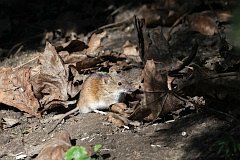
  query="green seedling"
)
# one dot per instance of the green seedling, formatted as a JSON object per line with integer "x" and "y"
{"x": 80, "y": 153}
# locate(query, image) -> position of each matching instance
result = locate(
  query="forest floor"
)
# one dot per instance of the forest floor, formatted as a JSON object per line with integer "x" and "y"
{"x": 154, "y": 141}
{"x": 189, "y": 133}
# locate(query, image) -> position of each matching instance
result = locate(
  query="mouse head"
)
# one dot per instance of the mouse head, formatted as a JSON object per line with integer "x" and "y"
{"x": 118, "y": 83}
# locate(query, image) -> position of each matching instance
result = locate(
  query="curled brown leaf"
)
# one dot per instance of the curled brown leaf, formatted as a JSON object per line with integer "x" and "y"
{"x": 16, "y": 90}
{"x": 202, "y": 23}
{"x": 158, "y": 99}
{"x": 56, "y": 147}
{"x": 50, "y": 79}
{"x": 95, "y": 43}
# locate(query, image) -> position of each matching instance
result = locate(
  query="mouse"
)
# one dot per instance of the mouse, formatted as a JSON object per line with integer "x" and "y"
{"x": 99, "y": 91}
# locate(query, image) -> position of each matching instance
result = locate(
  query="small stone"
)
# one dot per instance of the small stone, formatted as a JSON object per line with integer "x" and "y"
{"x": 184, "y": 134}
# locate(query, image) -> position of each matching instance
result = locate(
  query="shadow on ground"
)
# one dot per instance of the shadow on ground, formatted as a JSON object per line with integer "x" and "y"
{"x": 202, "y": 130}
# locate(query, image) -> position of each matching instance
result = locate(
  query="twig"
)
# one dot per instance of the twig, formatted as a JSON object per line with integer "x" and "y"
{"x": 26, "y": 63}
{"x": 14, "y": 47}
{"x": 186, "y": 61}
{"x": 19, "y": 49}
{"x": 174, "y": 25}
{"x": 111, "y": 25}
{"x": 139, "y": 24}
{"x": 115, "y": 24}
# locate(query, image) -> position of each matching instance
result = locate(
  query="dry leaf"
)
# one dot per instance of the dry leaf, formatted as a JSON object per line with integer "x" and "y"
{"x": 10, "y": 121}
{"x": 224, "y": 16}
{"x": 151, "y": 14}
{"x": 72, "y": 46}
{"x": 157, "y": 99}
{"x": 56, "y": 147}
{"x": 155, "y": 15}
{"x": 74, "y": 86}
{"x": 202, "y": 23}
{"x": 94, "y": 43}
{"x": 119, "y": 66}
{"x": 72, "y": 58}
{"x": 155, "y": 87}
{"x": 16, "y": 90}
{"x": 121, "y": 121}
{"x": 130, "y": 51}
{"x": 115, "y": 121}
{"x": 48, "y": 37}
{"x": 221, "y": 16}
{"x": 152, "y": 44}
{"x": 119, "y": 108}
{"x": 50, "y": 79}
{"x": 88, "y": 63}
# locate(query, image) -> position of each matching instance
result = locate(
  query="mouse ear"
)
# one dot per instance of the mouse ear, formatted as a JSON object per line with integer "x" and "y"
{"x": 106, "y": 79}
{"x": 112, "y": 71}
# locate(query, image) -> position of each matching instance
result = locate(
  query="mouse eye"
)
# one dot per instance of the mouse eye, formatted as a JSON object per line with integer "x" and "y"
{"x": 119, "y": 83}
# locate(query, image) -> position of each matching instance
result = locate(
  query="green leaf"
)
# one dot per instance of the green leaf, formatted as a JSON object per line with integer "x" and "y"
{"x": 76, "y": 153}
{"x": 97, "y": 147}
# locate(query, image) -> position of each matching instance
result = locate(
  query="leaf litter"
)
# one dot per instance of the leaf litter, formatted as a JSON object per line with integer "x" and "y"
{"x": 170, "y": 78}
